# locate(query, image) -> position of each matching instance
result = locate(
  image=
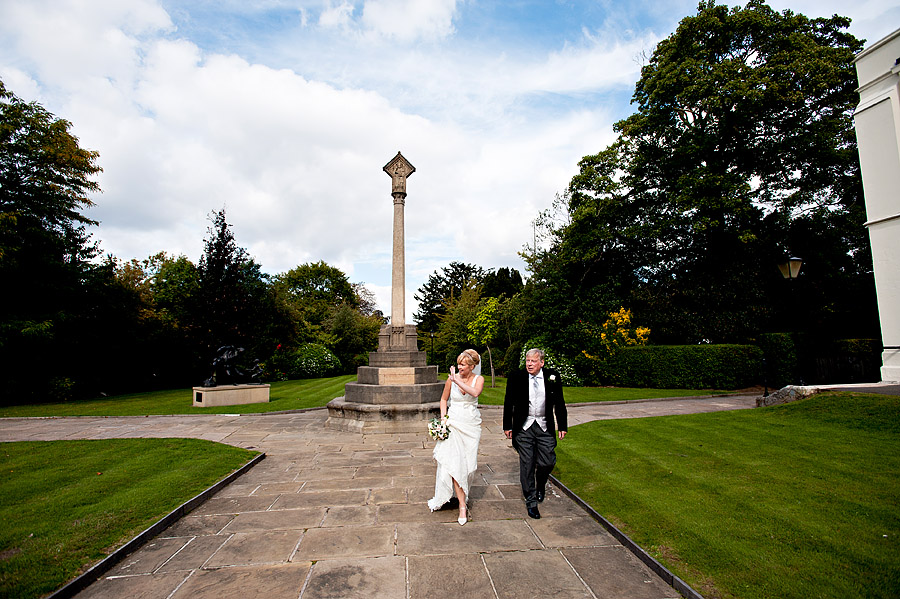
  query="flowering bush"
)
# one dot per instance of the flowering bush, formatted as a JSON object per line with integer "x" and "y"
{"x": 277, "y": 366}
{"x": 617, "y": 332}
{"x": 312, "y": 361}
{"x": 605, "y": 342}
{"x": 309, "y": 361}
{"x": 554, "y": 361}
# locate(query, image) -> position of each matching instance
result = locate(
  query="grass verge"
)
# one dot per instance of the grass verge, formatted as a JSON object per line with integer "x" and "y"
{"x": 494, "y": 396}
{"x": 294, "y": 395}
{"x": 67, "y": 504}
{"x": 284, "y": 395}
{"x": 792, "y": 501}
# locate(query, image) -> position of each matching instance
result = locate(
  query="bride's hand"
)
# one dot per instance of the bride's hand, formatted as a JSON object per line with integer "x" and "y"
{"x": 453, "y": 374}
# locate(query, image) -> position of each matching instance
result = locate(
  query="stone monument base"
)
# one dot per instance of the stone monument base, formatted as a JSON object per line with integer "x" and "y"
{"x": 364, "y": 418}
{"x": 230, "y": 395}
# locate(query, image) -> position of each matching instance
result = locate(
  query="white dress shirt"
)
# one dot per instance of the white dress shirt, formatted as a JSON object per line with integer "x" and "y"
{"x": 537, "y": 401}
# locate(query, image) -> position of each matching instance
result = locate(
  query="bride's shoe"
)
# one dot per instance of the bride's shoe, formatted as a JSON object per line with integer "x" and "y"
{"x": 463, "y": 519}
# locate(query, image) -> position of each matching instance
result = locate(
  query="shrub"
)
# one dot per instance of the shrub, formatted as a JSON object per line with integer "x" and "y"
{"x": 553, "y": 360}
{"x": 686, "y": 366}
{"x": 309, "y": 361}
{"x": 780, "y": 354}
{"x": 510, "y": 361}
{"x": 278, "y": 365}
{"x": 314, "y": 360}
{"x": 839, "y": 360}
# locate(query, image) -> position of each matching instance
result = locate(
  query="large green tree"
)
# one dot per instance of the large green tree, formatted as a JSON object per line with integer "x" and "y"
{"x": 327, "y": 308}
{"x": 233, "y": 303}
{"x": 741, "y": 150}
{"x": 442, "y": 287}
{"x": 312, "y": 291}
{"x": 46, "y": 180}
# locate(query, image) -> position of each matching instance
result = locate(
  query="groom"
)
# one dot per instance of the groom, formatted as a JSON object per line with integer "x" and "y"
{"x": 532, "y": 398}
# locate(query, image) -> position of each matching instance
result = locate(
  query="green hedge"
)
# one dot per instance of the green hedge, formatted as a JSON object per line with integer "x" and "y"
{"x": 686, "y": 366}
{"x": 781, "y": 366}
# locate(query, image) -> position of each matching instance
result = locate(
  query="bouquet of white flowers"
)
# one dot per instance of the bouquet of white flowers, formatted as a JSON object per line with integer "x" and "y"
{"x": 438, "y": 428}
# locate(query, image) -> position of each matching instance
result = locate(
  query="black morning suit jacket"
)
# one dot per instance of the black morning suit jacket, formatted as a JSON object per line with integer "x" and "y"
{"x": 515, "y": 403}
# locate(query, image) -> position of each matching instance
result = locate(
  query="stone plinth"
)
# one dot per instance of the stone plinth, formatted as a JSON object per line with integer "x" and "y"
{"x": 398, "y": 338}
{"x": 370, "y": 418}
{"x": 230, "y": 395}
{"x": 393, "y": 394}
{"x": 396, "y": 393}
{"x": 367, "y": 375}
{"x": 397, "y": 359}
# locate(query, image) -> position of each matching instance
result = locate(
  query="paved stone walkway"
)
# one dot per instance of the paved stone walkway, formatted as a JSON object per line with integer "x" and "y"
{"x": 341, "y": 515}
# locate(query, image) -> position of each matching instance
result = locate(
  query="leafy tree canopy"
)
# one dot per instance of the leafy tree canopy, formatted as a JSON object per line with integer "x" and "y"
{"x": 743, "y": 137}
{"x": 46, "y": 178}
{"x": 447, "y": 284}
{"x": 51, "y": 287}
{"x": 230, "y": 289}
{"x": 314, "y": 289}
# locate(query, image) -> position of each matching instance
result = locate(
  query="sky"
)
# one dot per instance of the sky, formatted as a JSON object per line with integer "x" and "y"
{"x": 284, "y": 112}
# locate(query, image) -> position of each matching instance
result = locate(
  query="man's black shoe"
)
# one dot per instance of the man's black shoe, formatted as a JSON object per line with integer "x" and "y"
{"x": 534, "y": 513}
{"x": 540, "y": 495}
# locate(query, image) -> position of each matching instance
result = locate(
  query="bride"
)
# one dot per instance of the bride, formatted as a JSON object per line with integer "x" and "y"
{"x": 456, "y": 456}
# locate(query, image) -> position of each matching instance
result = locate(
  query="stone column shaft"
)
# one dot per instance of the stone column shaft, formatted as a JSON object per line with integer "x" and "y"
{"x": 398, "y": 273}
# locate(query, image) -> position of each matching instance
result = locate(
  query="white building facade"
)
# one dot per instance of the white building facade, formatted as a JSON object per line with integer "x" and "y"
{"x": 877, "y": 121}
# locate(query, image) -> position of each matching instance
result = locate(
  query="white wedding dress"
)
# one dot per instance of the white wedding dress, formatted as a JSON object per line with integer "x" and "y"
{"x": 456, "y": 456}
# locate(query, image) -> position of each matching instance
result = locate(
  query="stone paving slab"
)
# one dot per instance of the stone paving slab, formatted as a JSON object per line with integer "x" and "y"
{"x": 194, "y": 554}
{"x": 282, "y": 581}
{"x": 476, "y": 536}
{"x": 337, "y": 514}
{"x": 247, "y": 548}
{"x": 613, "y": 571}
{"x": 350, "y": 541}
{"x": 534, "y": 575}
{"x": 300, "y": 519}
{"x": 432, "y": 576}
{"x": 151, "y": 586}
{"x": 357, "y": 578}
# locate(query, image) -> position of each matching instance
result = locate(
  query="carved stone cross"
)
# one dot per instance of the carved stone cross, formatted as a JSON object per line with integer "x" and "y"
{"x": 399, "y": 169}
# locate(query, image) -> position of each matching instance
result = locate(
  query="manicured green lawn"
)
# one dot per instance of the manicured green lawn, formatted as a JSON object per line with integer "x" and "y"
{"x": 793, "y": 501}
{"x": 494, "y": 395}
{"x": 67, "y": 504}
{"x": 293, "y": 395}
{"x": 284, "y": 395}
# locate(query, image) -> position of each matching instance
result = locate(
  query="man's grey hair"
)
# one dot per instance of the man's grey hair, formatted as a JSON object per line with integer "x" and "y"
{"x": 535, "y": 352}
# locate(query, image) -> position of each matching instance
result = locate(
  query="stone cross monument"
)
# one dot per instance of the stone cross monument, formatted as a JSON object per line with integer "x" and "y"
{"x": 399, "y": 169}
{"x": 397, "y": 391}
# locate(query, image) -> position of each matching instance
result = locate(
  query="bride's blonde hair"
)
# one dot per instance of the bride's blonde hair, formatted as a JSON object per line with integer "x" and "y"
{"x": 471, "y": 356}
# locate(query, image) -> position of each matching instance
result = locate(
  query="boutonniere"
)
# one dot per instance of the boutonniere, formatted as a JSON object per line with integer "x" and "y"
{"x": 552, "y": 377}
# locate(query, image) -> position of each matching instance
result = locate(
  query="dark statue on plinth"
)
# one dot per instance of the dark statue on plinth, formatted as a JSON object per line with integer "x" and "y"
{"x": 226, "y": 369}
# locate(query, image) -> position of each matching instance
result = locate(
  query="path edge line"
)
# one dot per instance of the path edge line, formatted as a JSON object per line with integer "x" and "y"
{"x": 82, "y": 581}
{"x": 668, "y": 577}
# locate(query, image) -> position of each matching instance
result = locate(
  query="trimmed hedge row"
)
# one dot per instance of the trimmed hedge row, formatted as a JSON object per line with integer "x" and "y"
{"x": 686, "y": 366}
{"x": 775, "y": 361}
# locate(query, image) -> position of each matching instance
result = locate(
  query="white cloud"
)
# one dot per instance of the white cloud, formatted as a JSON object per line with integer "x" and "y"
{"x": 337, "y": 15}
{"x": 495, "y": 129}
{"x": 409, "y": 20}
{"x": 67, "y": 40}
